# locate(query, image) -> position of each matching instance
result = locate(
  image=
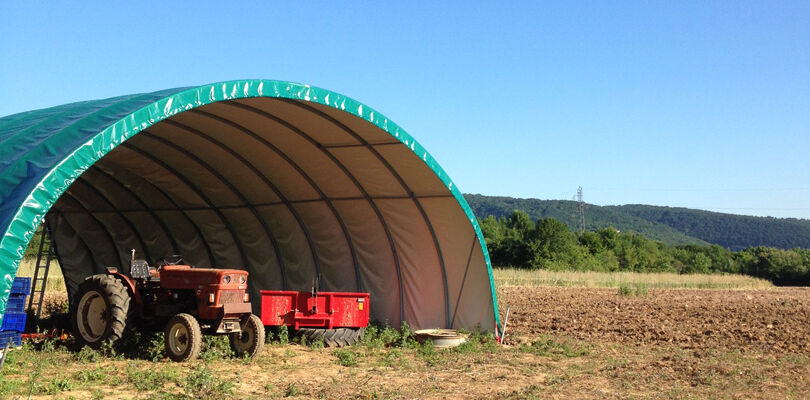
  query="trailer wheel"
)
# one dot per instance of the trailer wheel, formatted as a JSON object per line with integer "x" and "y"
{"x": 101, "y": 310}
{"x": 251, "y": 340}
{"x": 183, "y": 338}
{"x": 338, "y": 337}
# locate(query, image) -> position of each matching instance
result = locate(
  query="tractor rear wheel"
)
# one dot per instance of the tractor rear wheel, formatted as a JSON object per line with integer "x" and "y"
{"x": 251, "y": 340}
{"x": 183, "y": 338}
{"x": 338, "y": 337}
{"x": 101, "y": 311}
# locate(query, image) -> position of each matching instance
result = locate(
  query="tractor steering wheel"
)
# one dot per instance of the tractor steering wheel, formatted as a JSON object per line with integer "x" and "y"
{"x": 172, "y": 259}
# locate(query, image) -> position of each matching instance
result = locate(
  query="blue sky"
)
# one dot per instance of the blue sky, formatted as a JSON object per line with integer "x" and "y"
{"x": 694, "y": 104}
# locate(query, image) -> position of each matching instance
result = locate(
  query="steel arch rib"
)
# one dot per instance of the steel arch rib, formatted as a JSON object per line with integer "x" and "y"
{"x": 271, "y": 146}
{"x": 261, "y": 176}
{"x": 196, "y": 190}
{"x": 128, "y": 222}
{"x": 222, "y": 179}
{"x": 197, "y": 228}
{"x": 326, "y": 199}
{"x": 100, "y": 224}
{"x": 84, "y": 242}
{"x": 132, "y": 194}
{"x": 404, "y": 187}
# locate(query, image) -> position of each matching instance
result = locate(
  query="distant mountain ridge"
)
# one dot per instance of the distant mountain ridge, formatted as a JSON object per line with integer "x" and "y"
{"x": 671, "y": 225}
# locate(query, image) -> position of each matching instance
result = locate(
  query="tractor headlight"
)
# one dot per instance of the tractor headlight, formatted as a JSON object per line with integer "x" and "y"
{"x": 226, "y": 279}
{"x": 211, "y": 298}
{"x": 242, "y": 279}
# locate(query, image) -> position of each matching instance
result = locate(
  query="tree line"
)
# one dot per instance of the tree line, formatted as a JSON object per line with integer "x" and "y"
{"x": 547, "y": 243}
{"x": 671, "y": 225}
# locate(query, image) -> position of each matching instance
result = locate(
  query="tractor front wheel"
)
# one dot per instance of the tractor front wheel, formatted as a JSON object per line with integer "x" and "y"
{"x": 183, "y": 338}
{"x": 101, "y": 310}
{"x": 251, "y": 340}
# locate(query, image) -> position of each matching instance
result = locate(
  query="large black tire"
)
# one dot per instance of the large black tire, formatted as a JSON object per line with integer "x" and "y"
{"x": 250, "y": 341}
{"x": 338, "y": 337}
{"x": 100, "y": 313}
{"x": 183, "y": 338}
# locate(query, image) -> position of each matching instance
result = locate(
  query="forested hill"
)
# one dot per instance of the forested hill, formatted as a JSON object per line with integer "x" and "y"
{"x": 731, "y": 231}
{"x": 672, "y": 226}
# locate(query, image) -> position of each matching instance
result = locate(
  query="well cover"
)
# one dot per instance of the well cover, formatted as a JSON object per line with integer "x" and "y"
{"x": 289, "y": 182}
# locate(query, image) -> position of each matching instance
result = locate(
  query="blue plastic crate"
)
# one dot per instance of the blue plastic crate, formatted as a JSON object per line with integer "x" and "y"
{"x": 21, "y": 286}
{"x": 16, "y": 303}
{"x": 14, "y": 337}
{"x": 13, "y": 322}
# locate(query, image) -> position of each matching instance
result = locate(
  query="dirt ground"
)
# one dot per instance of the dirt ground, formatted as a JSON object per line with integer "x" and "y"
{"x": 773, "y": 321}
{"x": 561, "y": 343}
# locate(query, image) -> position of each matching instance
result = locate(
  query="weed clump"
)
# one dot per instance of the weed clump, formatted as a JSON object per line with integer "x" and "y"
{"x": 215, "y": 347}
{"x": 549, "y": 347}
{"x": 202, "y": 384}
{"x": 346, "y": 357}
{"x": 638, "y": 289}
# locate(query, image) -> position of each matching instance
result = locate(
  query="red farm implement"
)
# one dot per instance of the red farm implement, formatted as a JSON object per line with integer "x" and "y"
{"x": 337, "y": 318}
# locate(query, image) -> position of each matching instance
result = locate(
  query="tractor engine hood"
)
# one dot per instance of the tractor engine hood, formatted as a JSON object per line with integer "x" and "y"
{"x": 186, "y": 277}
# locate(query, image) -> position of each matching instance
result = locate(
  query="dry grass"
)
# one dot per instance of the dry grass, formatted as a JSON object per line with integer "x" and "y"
{"x": 56, "y": 282}
{"x": 590, "y": 279}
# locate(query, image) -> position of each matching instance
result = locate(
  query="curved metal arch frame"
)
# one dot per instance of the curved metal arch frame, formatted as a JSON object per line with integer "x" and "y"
{"x": 293, "y": 164}
{"x": 266, "y": 181}
{"x": 191, "y": 221}
{"x": 404, "y": 185}
{"x": 120, "y": 214}
{"x": 205, "y": 198}
{"x": 84, "y": 243}
{"x": 132, "y": 194}
{"x": 230, "y": 186}
{"x": 351, "y": 177}
{"x": 315, "y": 186}
{"x": 101, "y": 225}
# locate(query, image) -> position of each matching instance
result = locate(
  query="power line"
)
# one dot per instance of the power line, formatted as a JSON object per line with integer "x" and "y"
{"x": 581, "y": 210}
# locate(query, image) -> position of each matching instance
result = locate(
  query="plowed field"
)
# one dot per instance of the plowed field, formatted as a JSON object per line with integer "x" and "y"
{"x": 764, "y": 321}
{"x": 562, "y": 343}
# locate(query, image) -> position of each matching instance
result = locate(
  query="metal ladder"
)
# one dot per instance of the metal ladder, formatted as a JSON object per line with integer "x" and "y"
{"x": 43, "y": 265}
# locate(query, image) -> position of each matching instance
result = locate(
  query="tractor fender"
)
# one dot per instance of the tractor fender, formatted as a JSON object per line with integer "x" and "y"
{"x": 129, "y": 283}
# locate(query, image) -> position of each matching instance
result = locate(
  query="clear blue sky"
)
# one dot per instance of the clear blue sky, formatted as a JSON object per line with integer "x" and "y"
{"x": 696, "y": 104}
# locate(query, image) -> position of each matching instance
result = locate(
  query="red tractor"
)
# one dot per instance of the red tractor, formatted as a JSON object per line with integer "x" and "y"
{"x": 189, "y": 301}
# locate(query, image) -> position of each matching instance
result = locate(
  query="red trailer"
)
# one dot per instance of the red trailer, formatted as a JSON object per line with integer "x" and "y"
{"x": 337, "y": 318}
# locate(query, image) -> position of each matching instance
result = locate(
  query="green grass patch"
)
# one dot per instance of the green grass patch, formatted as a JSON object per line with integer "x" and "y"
{"x": 556, "y": 348}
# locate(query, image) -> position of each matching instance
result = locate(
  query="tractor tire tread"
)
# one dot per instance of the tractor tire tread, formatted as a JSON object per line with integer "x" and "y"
{"x": 195, "y": 334}
{"x": 255, "y": 324}
{"x": 118, "y": 302}
{"x": 338, "y": 337}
